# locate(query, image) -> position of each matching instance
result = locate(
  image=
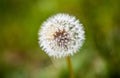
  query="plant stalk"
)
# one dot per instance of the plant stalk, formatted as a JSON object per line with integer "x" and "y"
{"x": 70, "y": 67}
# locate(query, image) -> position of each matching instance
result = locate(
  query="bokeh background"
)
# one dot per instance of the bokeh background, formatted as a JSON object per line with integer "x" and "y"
{"x": 21, "y": 56}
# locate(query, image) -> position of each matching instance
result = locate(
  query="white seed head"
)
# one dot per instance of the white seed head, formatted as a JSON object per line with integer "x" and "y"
{"x": 61, "y": 35}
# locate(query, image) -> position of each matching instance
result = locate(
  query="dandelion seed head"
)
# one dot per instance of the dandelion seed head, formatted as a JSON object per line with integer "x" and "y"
{"x": 61, "y": 35}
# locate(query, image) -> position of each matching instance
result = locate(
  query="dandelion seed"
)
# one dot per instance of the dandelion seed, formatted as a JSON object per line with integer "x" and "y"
{"x": 61, "y": 35}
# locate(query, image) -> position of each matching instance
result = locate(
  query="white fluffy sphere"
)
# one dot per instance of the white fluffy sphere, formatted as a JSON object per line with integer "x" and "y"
{"x": 61, "y": 35}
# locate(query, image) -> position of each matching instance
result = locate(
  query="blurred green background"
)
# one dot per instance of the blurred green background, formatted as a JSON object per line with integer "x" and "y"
{"x": 21, "y": 56}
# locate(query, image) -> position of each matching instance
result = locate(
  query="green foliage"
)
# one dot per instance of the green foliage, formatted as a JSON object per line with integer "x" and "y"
{"x": 21, "y": 57}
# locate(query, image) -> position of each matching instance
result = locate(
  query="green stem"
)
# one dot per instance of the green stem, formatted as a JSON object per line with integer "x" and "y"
{"x": 70, "y": 67}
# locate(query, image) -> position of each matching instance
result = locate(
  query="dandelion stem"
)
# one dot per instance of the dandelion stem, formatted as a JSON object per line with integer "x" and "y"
{"x": 70, "y": 67}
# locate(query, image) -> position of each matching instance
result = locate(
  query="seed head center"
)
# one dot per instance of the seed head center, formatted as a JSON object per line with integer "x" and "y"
{"x": 62, "y": 38}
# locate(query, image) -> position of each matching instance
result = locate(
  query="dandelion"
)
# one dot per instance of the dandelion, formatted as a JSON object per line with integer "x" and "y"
{"x": 61, "y": 35}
